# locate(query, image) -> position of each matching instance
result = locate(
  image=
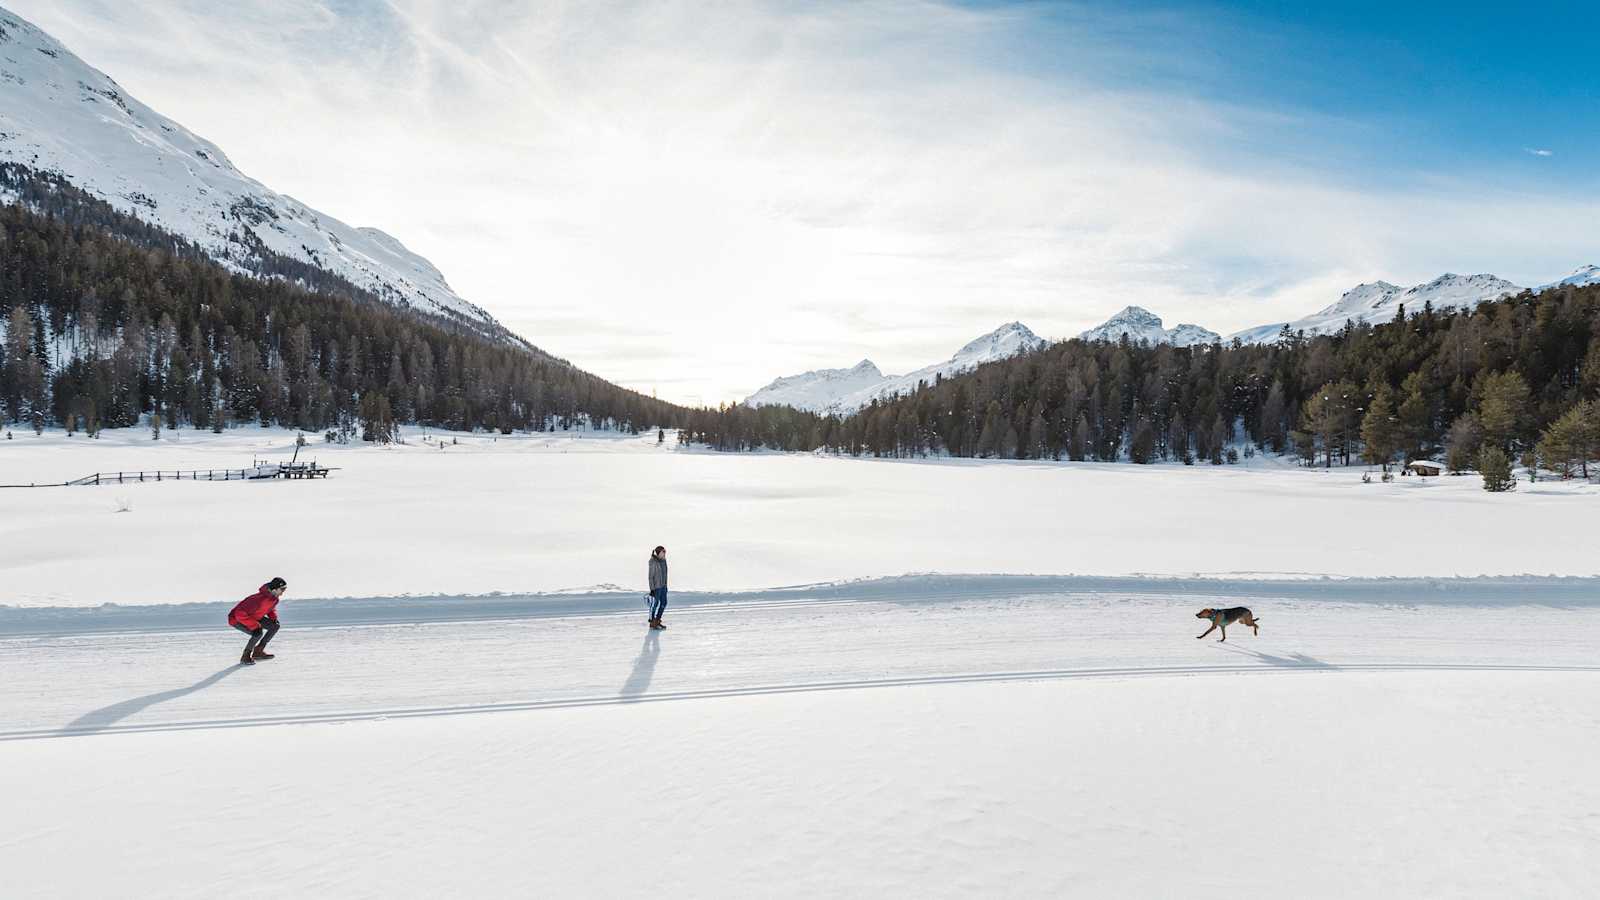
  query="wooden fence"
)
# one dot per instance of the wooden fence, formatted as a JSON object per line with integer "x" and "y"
{"x": 258, "y": 472}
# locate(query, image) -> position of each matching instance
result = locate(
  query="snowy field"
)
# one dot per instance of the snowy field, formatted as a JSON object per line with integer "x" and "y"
{"x": 562, "y": 512}
{"x": 925, "y": 737}
{"x": 466, "y": 703}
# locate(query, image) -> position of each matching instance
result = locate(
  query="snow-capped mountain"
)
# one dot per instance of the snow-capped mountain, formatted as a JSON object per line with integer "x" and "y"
{"x": 1140, "y": 324}
{"x": 1579, "y": 277}
{"x": 844, "y": 391}
{"x": 59, "y": 114}
{"x": 818, "y": 389}
{"x": 1378, "y": 301}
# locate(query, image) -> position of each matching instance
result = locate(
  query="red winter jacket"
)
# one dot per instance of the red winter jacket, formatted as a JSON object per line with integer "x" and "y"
{"x": 251, "y": 610}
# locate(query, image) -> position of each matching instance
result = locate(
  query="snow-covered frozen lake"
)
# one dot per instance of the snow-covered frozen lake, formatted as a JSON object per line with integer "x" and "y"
{"x": 564, "y": 512}
{"x": 466, "y": 703}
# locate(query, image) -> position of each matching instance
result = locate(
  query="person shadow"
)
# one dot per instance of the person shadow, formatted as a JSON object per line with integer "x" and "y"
{"x": 107, "y": 716}
{"x": 644, "y": 666}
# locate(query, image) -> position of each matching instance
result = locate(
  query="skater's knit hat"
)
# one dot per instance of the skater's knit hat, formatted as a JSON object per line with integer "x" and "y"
{"x": 276, "y": 583}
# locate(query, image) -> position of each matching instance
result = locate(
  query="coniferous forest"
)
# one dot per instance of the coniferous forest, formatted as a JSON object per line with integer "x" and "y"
{"x": 108, "y": 322}
{"x": 1518, "y": 377}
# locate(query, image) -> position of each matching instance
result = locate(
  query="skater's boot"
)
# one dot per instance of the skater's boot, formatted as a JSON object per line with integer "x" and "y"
{"x": 261, "y": 653}
{"x": 245, "y": 660}
{"x": 660, "y": 625}
{"x": 656, "y": 624}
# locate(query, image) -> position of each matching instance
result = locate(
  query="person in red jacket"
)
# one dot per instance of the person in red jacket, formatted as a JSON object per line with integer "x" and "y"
{"x": 257, "y": 616}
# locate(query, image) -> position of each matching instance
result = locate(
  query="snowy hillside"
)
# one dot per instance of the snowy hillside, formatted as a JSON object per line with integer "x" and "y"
{"x": 1579, "y": 277}
{"x": 58, "y": 114}
{"x": 844, "y": 391}
{"x": 1378, "y": 301}
{"x": 1140, "y": 324}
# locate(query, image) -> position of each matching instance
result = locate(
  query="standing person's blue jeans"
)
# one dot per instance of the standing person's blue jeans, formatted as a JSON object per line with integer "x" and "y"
{"x": 658, "y": 603}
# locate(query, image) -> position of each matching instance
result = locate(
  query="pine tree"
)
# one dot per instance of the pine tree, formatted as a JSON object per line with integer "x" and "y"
{"x": 1503, "y": 403}
{"x": 1273, "y": 432}
{"x": 1078, "y": 447}
{"x": 1380, "y": 428}
{"x": 1305, "y": 446}
{"x": 1413, "y": 424}
{"x": 1589, "y": 383}
{"x": 1328, "y": 414}
{"x": 989, "y": 438}
{"x": 1141, "y": 448}
{"x": 1495, "y": 466}
{"x": 1572, "y": 440}
{"x": 1463, "y": 444}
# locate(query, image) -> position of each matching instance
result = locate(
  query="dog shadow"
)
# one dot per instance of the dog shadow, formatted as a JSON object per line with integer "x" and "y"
{"x": 644, "y": 666}
{"x": 107, "y": 716}
{"x": 1292, "y": 661}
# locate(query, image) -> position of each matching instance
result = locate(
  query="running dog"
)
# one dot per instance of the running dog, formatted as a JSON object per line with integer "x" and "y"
{"x": 1222, "y": 618}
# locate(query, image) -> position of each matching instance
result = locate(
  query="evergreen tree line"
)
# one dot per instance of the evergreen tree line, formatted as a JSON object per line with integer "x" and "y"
{"x": 105, "y": 320}
{"x": 1519, "y": 376}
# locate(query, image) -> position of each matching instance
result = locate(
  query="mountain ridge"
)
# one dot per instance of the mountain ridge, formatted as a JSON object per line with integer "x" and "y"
{"x": 843, "y": 391}
{"x": 1378, "y": 301}
{"x": 1140, "y": 324}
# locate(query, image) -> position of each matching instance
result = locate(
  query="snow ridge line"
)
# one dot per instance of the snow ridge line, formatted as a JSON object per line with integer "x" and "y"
{"x": 1277, "y": 665}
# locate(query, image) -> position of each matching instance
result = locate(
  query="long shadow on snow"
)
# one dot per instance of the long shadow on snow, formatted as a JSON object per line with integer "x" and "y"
{"x": 644, "y": 666}
{"x": 107, "y": 716}
{"x": 761, "y": 690}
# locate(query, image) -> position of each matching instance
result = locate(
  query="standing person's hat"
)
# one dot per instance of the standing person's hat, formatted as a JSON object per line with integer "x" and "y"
{"x": 659, "y": 550}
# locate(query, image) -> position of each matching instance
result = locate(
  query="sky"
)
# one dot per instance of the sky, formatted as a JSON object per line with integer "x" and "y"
{"x": 694, "y": 199}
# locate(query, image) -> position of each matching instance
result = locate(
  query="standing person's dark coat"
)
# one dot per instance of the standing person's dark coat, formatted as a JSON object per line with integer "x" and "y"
{"x": 658, "y": 586}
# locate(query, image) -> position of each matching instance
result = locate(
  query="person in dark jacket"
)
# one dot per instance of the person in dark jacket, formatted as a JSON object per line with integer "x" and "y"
{"x": 257, "y": 616}
{"x": 658, "y": 586}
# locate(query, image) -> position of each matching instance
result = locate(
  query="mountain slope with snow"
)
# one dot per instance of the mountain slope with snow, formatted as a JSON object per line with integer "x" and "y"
{"x": 843, "y": 391}
{"x": 1579, "y": 277}
{"x": 818, "y": 389}
{"x": 1140, "y": 324}
{"x": 1378, "y": 301}
{"x": 60, "y": 115}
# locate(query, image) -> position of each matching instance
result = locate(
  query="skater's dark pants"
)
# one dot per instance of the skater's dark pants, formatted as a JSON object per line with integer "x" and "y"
{"x": 658, "y": 602}
{"x": 259, "y": 635}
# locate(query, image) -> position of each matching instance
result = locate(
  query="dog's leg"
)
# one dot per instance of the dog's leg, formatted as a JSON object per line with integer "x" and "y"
{"x": 1208, "y": 631}
{"x": 1224, "y": 634}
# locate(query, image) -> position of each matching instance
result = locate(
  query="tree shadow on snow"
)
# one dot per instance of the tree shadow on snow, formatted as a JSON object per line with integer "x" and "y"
{"x": 1292, "y": 661}
{"x": 106, "y": 716}
{"x": 644, "y": 665}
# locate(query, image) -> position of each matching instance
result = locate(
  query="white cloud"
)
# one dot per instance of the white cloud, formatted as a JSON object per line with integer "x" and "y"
{"x": 703, "y": 202}
{"x": 1537, "y": 151}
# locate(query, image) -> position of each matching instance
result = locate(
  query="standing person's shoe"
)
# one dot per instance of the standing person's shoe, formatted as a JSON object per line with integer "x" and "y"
{"x": 661, "y": 625}
{"x": 656, "y": 624}
{"x": 262, "y": 654}
{"x": 245, "y": 660}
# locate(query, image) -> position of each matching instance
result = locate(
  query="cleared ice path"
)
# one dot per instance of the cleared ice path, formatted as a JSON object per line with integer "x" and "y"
{"x": 129, "y": 669}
